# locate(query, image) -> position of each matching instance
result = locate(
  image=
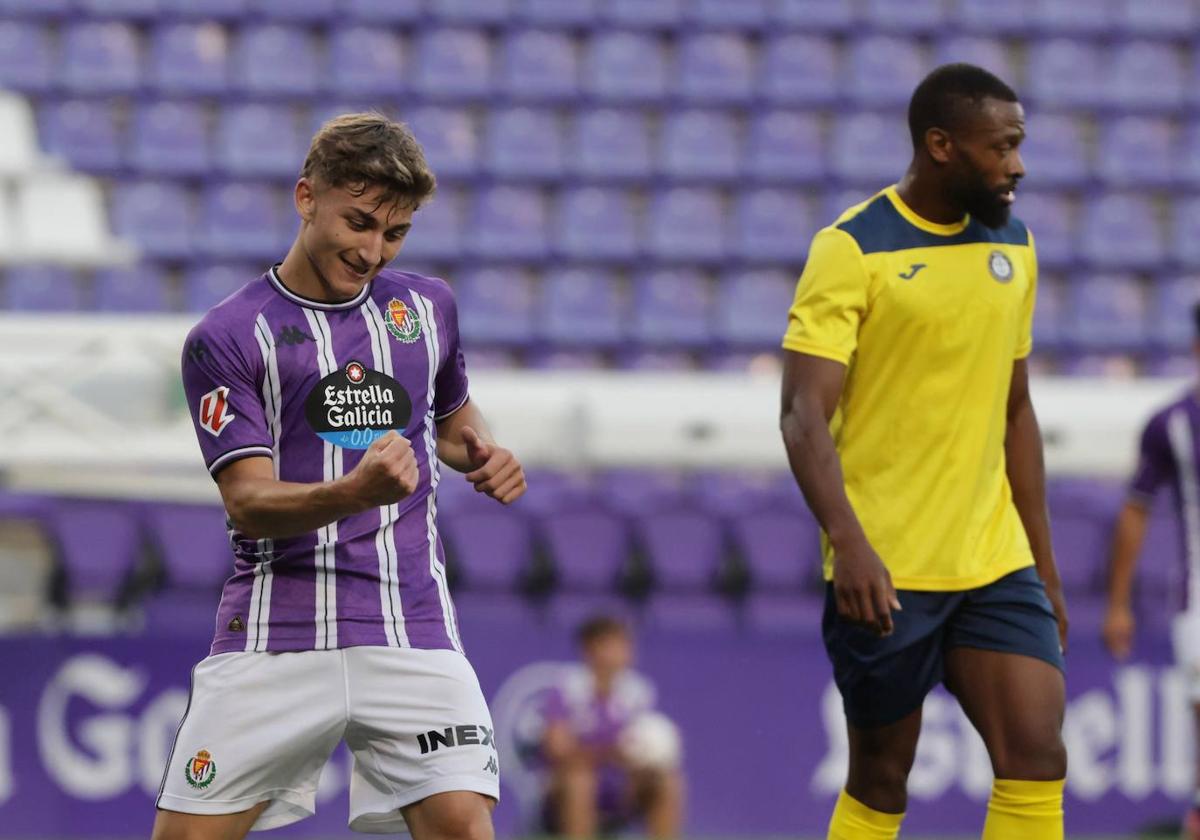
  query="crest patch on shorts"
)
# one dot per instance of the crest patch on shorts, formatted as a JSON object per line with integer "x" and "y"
{"x": 200, "y": 770}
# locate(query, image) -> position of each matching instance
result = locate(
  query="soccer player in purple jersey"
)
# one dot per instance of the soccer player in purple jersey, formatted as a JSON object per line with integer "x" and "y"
{"x": 1168, "y": 456}
{"x": 324, "y": 395}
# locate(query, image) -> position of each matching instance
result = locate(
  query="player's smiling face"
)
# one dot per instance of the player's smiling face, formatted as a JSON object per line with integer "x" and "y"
{"x": 348, "y": 238}
{"x": 986, "y": 161}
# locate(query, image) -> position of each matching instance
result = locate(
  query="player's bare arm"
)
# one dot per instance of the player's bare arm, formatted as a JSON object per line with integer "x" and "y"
{"x": 1027, "y": 476}
{"x": 465, "y": 443}
{"x": 1119, "y": 622}
{"x": 862, "y": 586}
{"x": 261, "y": 506}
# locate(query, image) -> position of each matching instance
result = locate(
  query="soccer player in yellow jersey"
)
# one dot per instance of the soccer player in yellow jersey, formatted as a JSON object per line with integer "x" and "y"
{"x": 908, "y": 425}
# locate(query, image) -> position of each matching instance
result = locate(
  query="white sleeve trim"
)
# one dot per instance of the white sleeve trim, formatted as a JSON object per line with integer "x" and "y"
{"x": 240, "y": 452}
{"x": 440, "y": 417}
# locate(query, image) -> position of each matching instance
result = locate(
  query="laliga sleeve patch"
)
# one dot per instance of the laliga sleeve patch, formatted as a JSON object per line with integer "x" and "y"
{"x": 354, "y": 406}
{"x": 214, "y": 413}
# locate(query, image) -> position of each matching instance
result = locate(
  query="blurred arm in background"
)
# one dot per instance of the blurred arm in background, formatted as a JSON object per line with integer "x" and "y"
{"x": 1119, "y": 623}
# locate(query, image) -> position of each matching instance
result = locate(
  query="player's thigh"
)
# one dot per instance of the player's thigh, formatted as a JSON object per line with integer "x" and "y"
{"x": 454, "y": 815}
{"x": 173, "y": 825}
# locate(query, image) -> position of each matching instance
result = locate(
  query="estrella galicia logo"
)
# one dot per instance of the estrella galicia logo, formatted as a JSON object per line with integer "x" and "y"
{"x": 1000, "y": 266}
{"x": 354, "y": 406}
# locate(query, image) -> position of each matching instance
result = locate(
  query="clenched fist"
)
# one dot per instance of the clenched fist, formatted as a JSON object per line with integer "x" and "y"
{"x": 496, "y": 471}
{"x": 387, "y": 472}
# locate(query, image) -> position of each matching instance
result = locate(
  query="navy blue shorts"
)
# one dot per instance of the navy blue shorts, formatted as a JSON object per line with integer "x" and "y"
{"x": 884, "y": 680}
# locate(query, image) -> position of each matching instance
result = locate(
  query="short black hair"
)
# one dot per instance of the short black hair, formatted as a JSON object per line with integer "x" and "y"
{"x": 937, "y": 102}
{"x": 598, "y": 627}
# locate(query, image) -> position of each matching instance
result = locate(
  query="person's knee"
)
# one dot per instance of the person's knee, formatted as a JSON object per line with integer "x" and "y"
{"x": 1035, "y": 757}
{"x": 174, "y": 825}
{"x": 461, "y": 817}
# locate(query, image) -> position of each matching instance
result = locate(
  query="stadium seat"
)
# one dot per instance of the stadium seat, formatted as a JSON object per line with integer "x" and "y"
{"x": 1161, "y": 570}
{"x": 384, "y": 12}
{"x": 588, "y": 549}
{"x": 566, "y": 611}
{"x": 1137, "y": 151}
{"x": 813, "y": 15}
{"x": 881, "y": 71}
{"x": 193, "y": 548}
{"x": 657, "y": 360}
{"x": 687, "y": 224}
{"x": 490, "y": 550}
{"x": 610, "y": 144}
{"x": 700, "y": 145}
{"x": 785, "y": 147}
{"x": 169, "y": 138}
{"x": 26, "y": 57}
{"x": 438, "y": 228}
{"x": 35, "y": 8}
{"x": 1051, "y": 218}
{"x": 773, "y": 226}
{"x": 582, "y": 307}
{"x": 449, "y": 138}
{"x": 46, "y": 206}
{"x": 553, "y": 491}
{"x": 276, "y": 60}
{"x": 117, "y": 8}
{"x": 539, "y": 66}
{"x": 633, "y": 492}
{"x": 297, "y": 11}
{"x": 1164, "y": 17}
{"x": 469, "y": 12}
{"x": 242, "y": 221}
{"x": 453, "y": 64}
{"x": 367, "y": 61}
{"x": 1049, "y": 314}
{"x": 690, "y": 614}
{"x": 721, "y": 14}
{"x": 141, "y": 288}
{"x": 988, "y": 53}
{"x": 1146, "y": 76}
{"x": 559, "y": 358}
{"x": 1081, "y": 545}
{"x": 556, "y": 12}
{"x": 19, "y": 152}
{"x": 672, "y": 308}
{"x": 598, "y": 224}
{"x": 728, "y": 493}
{"x": 715, "y": 67}
{"x": 1185, "y": 230}
{"x": 98, "y": 544}
{"x": 42, "y": 288}
{"x": 758, "y": 320}
{"x": 496, "y": 306}
{"x": 240, "y": 149}
{"x": 189, "y": 58}
{"x": 525, "y": 144}
{"x": 157, "y": 215}
{"x": 1071, "y": 17}
{"x": 905, "y": 16}
{"x": 1055, "y": 152}
{"x": 772, "y": 614}
{"x": 625, "y": 67}
{"x": 206, "y": 286}
{"x": 1187, "y": 168}
{"x": 510, "y": 223}
{"x": 1120, "y": 230}
{"x": 781, "y": 550}
{"x": 654, "y": 14}
{"x": 206, "y": 9}
{"x": 799, "y": 70}
{"x": 83, "y": 132}
{"x": 1170, "y": 315}
{"x": 869, "y": 149}
{"x": 100, "y": 57}
{"x": 685, "y": 549}
{"x": 1063, "y": 73}
{"x": 1106, "y": 312}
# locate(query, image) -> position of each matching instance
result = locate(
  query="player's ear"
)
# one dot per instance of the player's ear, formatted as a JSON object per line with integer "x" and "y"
{"x": 937, "y": 144}
{"x": 305, "y": 199}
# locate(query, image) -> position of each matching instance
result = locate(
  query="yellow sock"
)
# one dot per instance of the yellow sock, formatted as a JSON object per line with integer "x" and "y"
{"x": 1025, "y": 811}
{"x": 853, "y": 820}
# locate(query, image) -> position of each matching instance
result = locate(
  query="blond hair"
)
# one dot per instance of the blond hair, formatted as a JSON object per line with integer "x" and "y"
{"x": 359, "y": 152}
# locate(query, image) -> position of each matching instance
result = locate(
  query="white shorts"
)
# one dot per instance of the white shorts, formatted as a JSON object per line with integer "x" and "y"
{"x": 260, "y": 726}
{"x": 1185, "y": 638}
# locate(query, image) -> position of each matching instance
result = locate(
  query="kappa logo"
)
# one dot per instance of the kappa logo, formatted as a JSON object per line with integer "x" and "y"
{"x": 402, "y": 321}
{"x": 912, "y": 271}
{"x": 214, "y": 411}
{"x": 292, "y": 336}
{"x": 197, "y": 350}
{"x": 456, "y": 736}
{"x": 200, "y": 770}
{"x": 491, "y": 766}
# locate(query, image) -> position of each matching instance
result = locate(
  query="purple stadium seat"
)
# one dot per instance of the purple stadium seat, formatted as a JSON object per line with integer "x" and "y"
{"x": 869, "y": 149}
{"x": 276, "y": 60}
{"x": 685, "y": 549}
{"x": 636, "y": 492}
{"x": 1105, "y": 365}
{"x": 206, "y": 286}
{"x": 1106, "y": 312}
{"x": 26, "y": 57}
{"x": 478, "y": 612}
{"x": 690, "y": 614}
{"x": 568, "y": 610}
{"x": 83, "y": 132}
{"x": 552, "y": 492}
{"x": 905, "y": 16}
{"x": 728, "y": 494}
{"x": 35, "y": 8}
{"x": 773, "y": 226}
{"x": 565, "y": 358}
{"x": 786, "y": 147}
{"x": 1163, "y": 17}
{"x": 716, "y": 67}
{"x": 496, "y": 305}
{"x": 241, "y": 221}
{"x": 1071, "y": 17}
{"x": 206, "y": 9}
{"x": 157, "y": 215}
{"x": 118, "y": 8}
{"x": 98, "y": 544}
{"x": 988, "y": 53}
{"x": 721, "y": 14}
{"x": 1185, "y": 230}
{"x": 1064, "y": 73}
{"x": 1160, "y": 569}
{"x": 453, "y": 64}
{"x": 377, "y": 12}
{"x": 1081, "y": 546}
{"x": 625, "y": 67}
{"x": 510, "y": 223}
{"x": 800, "y": 70}
{"x": 1055, "y": 152}
{"x": 760, "y": 316}
{"x": 674, "y": 361}
{"x": 687, "y": 223}
{"x": 539, "y": 66}
{"x": 1179, "y": 365}
{"x": 438, "y": 228}
{"x": 240, "y": 150}
{"x": 881, "y": 71}
{"x": 582, "y": 307}
{"x": 653, "y": 14}
{"x": 609, "y": 144}
{"x": 838, "y": 201}
{"x": 169, "y": 138}
{"x": 782, "y": 550}
{"x": 141, "y": 288}
{"x": 297, "y": 11}
{"x": 490, "y": 549}
{"x": 1172, "y": 327}
{"x": 189, "y": 58}
{"x": 449, "y": 138}
{"x": 672, "y": 307}
{"x": 556, "y": 12}
{"x": 814, "y": 15}
{"x": 698, "y": 145}
{"x": 525, "y": 144}
{"x": 1120, "y": 230}
{"x": 1188, "y": 154}
{"x": 42, "y": 288}
{"x": 100, "y": 57}
{"x": 588, "y": 549}
{"x": 1137, "y": 151}
{"x": 1049, "y": 313}
{"x": 366, "y": 60}
{"x": 1146, "y": 75}
{"x": 769, "y": 613}
{"x": 597, "y": 223}
{"x": 193, "y": 542}
{"x": 470, "y": 12}
{"x": 1051, "y": 218}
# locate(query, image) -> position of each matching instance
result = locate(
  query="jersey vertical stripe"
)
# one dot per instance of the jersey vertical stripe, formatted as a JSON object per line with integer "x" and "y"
{"x": 259, "y": 614}
{"x": 1179, "y": 432}
{"x": 425, "y": 307}
{"x": 323, "y": 555}
{"x": 385, "y": 537}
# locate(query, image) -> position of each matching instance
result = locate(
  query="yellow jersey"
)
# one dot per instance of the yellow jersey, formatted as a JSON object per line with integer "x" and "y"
{"x": 928, "y": 319}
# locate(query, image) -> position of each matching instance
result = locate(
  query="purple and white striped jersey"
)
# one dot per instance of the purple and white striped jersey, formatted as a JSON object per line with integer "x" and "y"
{"x": 1169, "y": 453}
{"x": 310, "y": 385}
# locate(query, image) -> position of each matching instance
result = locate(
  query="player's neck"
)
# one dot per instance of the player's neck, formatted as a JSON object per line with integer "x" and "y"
{"x": 301, "y": 277}
{"x": 927, "y": 199}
